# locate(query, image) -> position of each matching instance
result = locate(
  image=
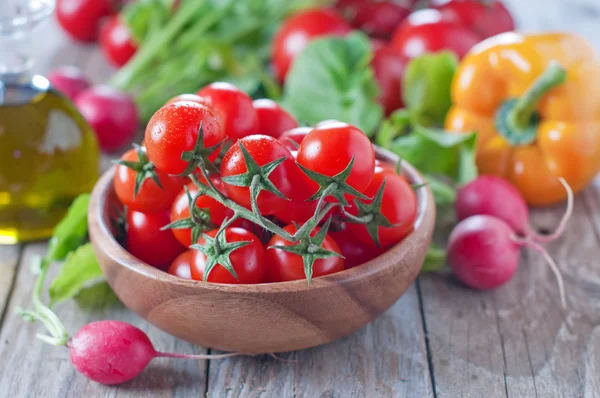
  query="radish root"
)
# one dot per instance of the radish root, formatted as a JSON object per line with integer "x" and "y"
{"x": 553, "y": 266}
{"x": 563, "y": 222}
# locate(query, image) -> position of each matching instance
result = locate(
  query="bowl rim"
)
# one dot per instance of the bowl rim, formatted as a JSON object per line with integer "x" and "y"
{"x": 104, "y": 240}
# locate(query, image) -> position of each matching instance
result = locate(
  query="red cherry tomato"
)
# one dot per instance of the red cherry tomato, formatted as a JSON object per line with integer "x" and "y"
{"x": 328, "y": 149}
{"x": 146, "y": 241}
{"x": 150, "y": 197}
{"x": 379, "y": 18}
{"x": 81, "y": 18}
{"x": 181, "y": 266}
{"x": 174, "y": 128}
{"x": 233, "y": 107}
{"x": 398, "y": 205}
{"x": 181, "y": 210}
{"x": 427, "y": 31}
{"x": 388, "y": 68}
{"x": 262, "y": 234}
{"x": 285, "y": 266}
{"x": 486, "y": 20}
{"x": 263, "y": 149}
{"x": 248, "y": 261}
{"x": 273, "y": 120}
{"x": 292, "y": 138}
{"x": 298, "y": 30}
{"x": 116, "y": 41}
{"x": 354, "y": 250}
{"x": 189, "y": 97}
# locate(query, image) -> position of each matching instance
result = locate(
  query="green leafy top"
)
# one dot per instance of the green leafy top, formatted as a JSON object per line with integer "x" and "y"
{"x": 426, "y": 87}
{"x": 331, "y": 79}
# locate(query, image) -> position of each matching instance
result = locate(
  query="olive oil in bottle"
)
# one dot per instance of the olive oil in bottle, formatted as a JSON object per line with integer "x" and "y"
{"x": 48, "y": 153}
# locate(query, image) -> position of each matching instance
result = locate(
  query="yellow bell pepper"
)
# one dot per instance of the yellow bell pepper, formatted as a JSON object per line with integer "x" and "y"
{"x": 534, "y": 101}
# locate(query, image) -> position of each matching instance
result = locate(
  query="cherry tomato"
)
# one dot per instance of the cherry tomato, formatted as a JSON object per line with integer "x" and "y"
{"x": 427, "y": 31}
{"x": 485, "y": 19}
{"x": 379, "y": 18}
{"x": 248, "y": 261}
{"x": 233, "y": 107}
{"x": 297, "y": 211}
{"x": 181, "y": 210}
{"x": 298, "y": 30}
{"x": 174, "y": 128}
{"x": 292, "y": 138}
{"x": 147, "y": 242}
{"x": 150, "y": 197}
{"x": 388, "y": 68}
{"x": 263, "y": 149}
{"x": 285, "y": 266}
{"x": 273, "y": 120}
{"x": 328, "y": 149}
{"x": 354, "y": 250}
{"x": 181, "y": 266}
{"x": 116, "y": 41}
{"x": 189, "y": 97}
{"x": 262, "y": 234}
{"x": 81, "y": 18}
{"x": 398, "y": 205}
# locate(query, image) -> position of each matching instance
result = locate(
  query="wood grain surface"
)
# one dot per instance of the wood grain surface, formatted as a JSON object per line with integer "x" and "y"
{"x": 439, "y": 339}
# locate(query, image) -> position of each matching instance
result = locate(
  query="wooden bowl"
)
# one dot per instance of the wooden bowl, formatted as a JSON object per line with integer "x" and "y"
{"x": 262, "y": 318}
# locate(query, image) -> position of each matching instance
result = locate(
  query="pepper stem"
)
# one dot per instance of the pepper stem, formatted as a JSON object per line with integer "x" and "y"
{"x": 521, "y": 114}
{"x": 518, "y": 119}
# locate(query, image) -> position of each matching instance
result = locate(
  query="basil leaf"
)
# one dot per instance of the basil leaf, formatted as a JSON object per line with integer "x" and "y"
{"x": 426, "y": 87}
{"x": 332, "y": 79}
{"x": 80, "y": 270}
{"x": 435, "y": 151}
{"x": 71, "y": 232}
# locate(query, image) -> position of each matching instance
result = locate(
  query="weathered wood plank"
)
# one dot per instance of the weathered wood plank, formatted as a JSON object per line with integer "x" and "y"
{"x": 386, "y": 358}
{"x": 30, "y": 368}
{"x": 517, "y": 340}
{"x": 9, "y": 258}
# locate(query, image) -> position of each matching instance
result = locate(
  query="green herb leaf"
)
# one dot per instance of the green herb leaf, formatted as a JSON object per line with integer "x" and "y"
{"x": 435, "y": 151}
{"x": 80, "y": 270}
{"x": 435, "y": 259}
{"x": 426, "y": 87}
{"x": 96, "y": 297}
{"x": 332, "y": 79}
{"x": 71, "y": 232}
{"x": 145, "y": 17}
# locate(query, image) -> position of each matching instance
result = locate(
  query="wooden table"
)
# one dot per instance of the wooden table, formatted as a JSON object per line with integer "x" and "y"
{"x": 440, "y": 339}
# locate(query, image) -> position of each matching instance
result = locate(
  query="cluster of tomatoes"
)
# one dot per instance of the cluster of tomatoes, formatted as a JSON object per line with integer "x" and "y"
{"x": 223, "y": 124}
{"x": 399, "y": 34}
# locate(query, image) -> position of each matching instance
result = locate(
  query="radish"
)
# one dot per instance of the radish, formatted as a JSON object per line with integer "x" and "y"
{"x": 107, "y": 352}
{"x": 483, "y": 249}
{"x": 69, "y": 80}
{"x": 113, "y": 352}
{"x": 494, "y": 196}
{"x": 111, "y": 113}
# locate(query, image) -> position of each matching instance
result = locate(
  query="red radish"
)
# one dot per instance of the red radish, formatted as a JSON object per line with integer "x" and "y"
{"x": 113, "y": 352}
{"x": 112, "y": 114}
{"x": 494, "y": 196}
{"x": 483, "y": 252}
{"x": 69, "y": 80}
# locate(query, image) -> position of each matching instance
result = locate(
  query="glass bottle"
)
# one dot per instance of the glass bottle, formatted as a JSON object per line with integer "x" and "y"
{"x": 48, "y": 153}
